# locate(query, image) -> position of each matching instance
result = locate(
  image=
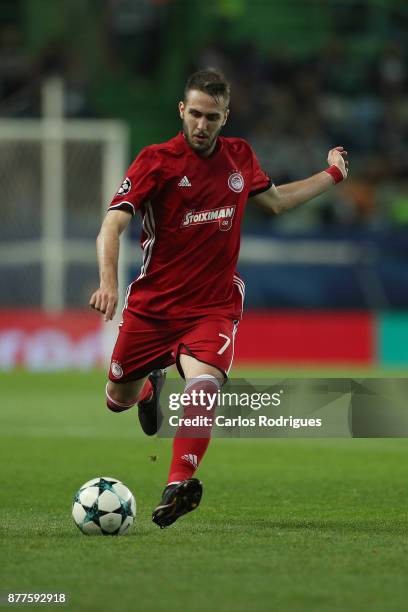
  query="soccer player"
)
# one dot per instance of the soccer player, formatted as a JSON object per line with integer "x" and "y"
{"x": 186, "y": 303}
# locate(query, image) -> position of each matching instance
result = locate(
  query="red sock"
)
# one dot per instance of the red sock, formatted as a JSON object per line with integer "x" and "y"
{"x": 146, "y": 391}
{"x": 187, "y": 450}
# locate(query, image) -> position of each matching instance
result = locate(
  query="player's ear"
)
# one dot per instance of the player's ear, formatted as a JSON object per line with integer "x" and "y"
{"x": 181, "y": 109}
{"x": 226, "y": 117}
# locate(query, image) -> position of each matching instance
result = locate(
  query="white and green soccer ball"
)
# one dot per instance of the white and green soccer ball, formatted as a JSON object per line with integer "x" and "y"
{"x": 104, "y": 506}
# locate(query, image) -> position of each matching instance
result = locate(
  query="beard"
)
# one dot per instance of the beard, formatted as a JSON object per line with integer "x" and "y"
{"x": 200, "y": 146}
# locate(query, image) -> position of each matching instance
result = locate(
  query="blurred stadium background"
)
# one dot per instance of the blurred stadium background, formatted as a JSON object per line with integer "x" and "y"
{"x": 286, "y": 524}
{"x": 84, "y": 84}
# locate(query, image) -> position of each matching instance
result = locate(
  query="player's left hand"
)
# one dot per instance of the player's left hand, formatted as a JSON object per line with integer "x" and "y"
{"x": 338, "y": 157}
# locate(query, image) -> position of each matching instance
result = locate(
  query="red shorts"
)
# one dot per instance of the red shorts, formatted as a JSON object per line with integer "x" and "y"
{"x": 145, "y": 344}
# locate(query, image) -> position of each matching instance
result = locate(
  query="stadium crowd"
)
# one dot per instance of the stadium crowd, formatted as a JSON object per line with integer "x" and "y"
{"x": 289, "y": 107}
{"x": 293, "y": 108}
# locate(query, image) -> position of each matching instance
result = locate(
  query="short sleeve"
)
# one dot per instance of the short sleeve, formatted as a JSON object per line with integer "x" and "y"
{"x": 260, "y": 180}
{"x": 140, "y": 183}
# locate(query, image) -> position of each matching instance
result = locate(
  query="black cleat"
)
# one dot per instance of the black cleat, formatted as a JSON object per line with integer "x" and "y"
{"x": 177, "y": 499}
{"x": 150, "y": 414}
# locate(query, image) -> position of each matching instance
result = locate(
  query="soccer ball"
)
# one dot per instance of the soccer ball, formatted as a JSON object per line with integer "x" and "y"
{"x": 104, "y": 506}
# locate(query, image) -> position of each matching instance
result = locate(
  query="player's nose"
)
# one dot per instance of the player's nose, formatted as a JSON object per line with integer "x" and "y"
{"x": 202, "y": 124}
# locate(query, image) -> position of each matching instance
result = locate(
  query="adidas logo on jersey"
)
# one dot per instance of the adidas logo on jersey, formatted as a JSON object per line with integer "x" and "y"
{"x": 184, "y": 182}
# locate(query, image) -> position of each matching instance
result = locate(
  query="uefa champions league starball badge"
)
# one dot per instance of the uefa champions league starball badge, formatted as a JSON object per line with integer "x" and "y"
{"x": 125, "y": 187}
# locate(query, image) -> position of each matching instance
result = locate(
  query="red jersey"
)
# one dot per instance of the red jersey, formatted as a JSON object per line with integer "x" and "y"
{"x": 192, "y": 208}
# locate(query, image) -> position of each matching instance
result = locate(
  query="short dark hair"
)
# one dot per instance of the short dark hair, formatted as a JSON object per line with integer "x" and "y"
{"x": 211, "y": 82}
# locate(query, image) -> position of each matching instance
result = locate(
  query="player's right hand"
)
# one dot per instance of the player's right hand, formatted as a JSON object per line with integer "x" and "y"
{"x": 105, "y": 300}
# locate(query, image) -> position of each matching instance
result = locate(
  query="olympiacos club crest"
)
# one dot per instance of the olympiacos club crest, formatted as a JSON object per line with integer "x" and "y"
{"x": 116, "y": 369}
{"x": 236, "y": 182}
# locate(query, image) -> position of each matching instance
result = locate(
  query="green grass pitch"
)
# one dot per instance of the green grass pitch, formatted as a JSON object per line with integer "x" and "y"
{"x": 286, "y": 525}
